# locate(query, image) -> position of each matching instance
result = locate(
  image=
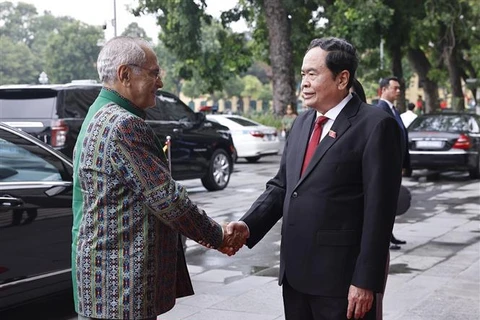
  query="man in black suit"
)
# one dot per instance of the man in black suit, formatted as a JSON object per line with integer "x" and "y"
{"x": 390, "y": 91}
{"x": 338, "y": 208}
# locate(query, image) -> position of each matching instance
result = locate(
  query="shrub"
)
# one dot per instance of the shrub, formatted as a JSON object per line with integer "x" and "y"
{"x": 267, "y": 119}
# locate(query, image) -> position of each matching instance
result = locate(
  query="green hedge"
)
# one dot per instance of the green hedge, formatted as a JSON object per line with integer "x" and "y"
{"x": 267, "y": 119}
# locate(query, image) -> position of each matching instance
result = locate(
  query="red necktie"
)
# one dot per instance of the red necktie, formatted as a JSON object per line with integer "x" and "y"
{"x": 314, "y": 140}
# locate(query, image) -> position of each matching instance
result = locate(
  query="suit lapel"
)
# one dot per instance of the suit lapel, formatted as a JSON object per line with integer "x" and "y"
{"x": 301, "y": 147}
{"x": 339, "y": 127}
{"x": 386, "y": 107}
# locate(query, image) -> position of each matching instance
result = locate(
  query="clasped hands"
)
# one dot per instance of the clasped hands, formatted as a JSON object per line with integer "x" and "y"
{"x": 235, "y": 235}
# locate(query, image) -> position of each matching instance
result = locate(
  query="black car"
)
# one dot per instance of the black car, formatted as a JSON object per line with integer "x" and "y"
{"x": 54, "y": 114}
{"x": 446, "y": 141}
{"x": 35, "y": 218}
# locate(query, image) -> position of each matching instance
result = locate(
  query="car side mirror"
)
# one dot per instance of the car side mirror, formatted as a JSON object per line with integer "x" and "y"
{"x": 200, "y": 117}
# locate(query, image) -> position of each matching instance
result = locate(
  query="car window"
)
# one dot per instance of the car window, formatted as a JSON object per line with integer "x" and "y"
{"x": 170, "y": 109}
{"x": 473, "y": 125}
{"x": 77, "y": 101}
{"x": 17, "y": 106}
{"x": 243, "y": 122}
{"x": 22, "y": 160}
{"x": 441, "y": 123}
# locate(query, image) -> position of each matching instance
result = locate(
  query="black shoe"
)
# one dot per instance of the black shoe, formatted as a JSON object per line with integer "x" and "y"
{"x": 397, "y": 241}
{"x": 395, "y": 247}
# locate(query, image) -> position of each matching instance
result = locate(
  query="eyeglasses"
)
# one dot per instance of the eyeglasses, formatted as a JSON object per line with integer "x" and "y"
{"x": 157, "y": 74}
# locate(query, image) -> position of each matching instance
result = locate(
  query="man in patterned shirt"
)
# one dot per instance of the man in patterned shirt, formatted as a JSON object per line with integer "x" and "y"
{"x": 127, "y": 261}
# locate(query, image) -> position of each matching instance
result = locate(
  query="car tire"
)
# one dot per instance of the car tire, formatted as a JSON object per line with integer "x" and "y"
{"x": 252, "y": 159}
{"x": 219, "y": 171}
{"x": 474, "y": 173}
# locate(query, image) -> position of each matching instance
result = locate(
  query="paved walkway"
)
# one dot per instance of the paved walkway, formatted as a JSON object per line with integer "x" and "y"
{"x": 436, "y": 275}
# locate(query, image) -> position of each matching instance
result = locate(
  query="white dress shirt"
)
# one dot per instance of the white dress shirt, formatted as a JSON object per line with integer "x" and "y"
{"x": 332, "y": 115}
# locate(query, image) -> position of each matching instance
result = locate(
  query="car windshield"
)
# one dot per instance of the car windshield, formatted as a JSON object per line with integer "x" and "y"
{"x": 243, "y": 122}
{"x": 443, "y": 123}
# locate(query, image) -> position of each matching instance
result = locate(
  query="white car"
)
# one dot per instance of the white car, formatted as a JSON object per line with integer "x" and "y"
{"x": 252, "y": 140}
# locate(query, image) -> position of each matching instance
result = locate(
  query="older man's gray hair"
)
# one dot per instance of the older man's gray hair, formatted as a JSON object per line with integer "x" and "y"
{"x": 120, "y": 51}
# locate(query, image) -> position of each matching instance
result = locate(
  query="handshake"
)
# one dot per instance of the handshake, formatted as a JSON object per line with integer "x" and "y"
{"x": 235, "y": 235}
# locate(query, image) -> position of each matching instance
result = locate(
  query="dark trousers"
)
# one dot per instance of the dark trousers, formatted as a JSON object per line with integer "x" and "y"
{"x": 301, "y": 306}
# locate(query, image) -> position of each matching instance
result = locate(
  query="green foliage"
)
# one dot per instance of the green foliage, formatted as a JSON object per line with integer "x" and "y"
{"x": 18, "y": 63}
{"x": 134, "y": 30}
{"x": 72, "y": 53}
{"x": 207, "y": 50}
{"x": 16, "y": 21}
{"x": 252, "y": 88}
{"x": 172, "y": 68}
{"x": 265, "y": 93}
{"x": 191, "y": 89}
{"x": 267, "y": 119}
{"x": 233, "y": 87}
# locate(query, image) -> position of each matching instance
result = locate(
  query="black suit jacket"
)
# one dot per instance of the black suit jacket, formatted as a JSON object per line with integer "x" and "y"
{"x": 338, "y": 217}
{"x": 406, "y": 154}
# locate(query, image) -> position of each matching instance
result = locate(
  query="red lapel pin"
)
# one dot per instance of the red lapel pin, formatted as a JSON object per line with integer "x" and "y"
{"x": 332, "y": 134}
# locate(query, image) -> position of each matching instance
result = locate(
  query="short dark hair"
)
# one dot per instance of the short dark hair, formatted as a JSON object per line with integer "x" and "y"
{"x": 385, "y": 82}
{"x": 341, "y": 55}
{"x": 411, "y": 106}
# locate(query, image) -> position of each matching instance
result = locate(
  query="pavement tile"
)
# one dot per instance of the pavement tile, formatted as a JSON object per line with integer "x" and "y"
{"x": 265, "y": 299}
{"x": 180, "y": 312}
{"x": 464, "y": 289}
{"x": 205, "y": 286}
{"x": 217, "y": 275}
{"x": 203, "y": 300}
{"x": 193, "y": 270}
{"x": 472, "y": 273}
{"x": 209, "y": 314}
{"x": 460, "y": 237}
{"x": 245, "y": 284}
{"x": 413, "y": 262}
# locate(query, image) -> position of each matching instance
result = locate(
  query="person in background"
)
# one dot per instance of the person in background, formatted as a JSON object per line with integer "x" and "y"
{"x": 287, "y": 120}
{"x": 128, "y": 212}
{"x": 336, "y": 192}
{"x": 408, "y": 116}
{"x": 390, "y": 91}
{"x": 419, "y": 105}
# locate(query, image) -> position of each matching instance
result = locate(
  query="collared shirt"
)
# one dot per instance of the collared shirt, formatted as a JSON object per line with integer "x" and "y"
{"x": 332, "y": 114}
{"x": 408, "y": 117}
{"x": 127, "y": 262}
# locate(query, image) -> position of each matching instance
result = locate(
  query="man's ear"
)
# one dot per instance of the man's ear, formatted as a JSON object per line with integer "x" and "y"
{"x": 123, "y": 74}
{"x": 342, "y": 79}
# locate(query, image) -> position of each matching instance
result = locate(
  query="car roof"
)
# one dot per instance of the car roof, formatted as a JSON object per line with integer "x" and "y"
{"x": 66, "y": 86}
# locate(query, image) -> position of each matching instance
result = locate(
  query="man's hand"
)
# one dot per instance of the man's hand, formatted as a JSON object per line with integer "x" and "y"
{"x": 235, "y": 234}
{"x": 360, "y": 301}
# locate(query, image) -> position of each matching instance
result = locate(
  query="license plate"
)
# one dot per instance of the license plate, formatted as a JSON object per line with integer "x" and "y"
{"x": 430, "y": 144}
{"x": 269, "y": 137}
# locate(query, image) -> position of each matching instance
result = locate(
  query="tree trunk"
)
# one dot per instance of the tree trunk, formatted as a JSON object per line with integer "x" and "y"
{"x": 397, "y": 70}
{"x": 454, "y": 75}
{"x": 421, "y": 65}
{"x": 280, "y": 53}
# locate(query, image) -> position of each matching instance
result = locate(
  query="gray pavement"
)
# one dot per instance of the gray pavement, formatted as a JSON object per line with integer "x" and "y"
{"x": 436, "y": 275}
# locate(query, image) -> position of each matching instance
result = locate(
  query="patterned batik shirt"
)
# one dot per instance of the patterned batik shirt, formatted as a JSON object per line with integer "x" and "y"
{"x": 128, "y": 262}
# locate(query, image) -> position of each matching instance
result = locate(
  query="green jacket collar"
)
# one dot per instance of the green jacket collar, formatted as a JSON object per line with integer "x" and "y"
{"x": 123, "y": 102}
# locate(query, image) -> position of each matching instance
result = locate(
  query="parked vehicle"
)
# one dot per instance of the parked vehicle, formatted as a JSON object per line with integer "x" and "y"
{"x": 54, "y": 114}
{"x": 446, "y": 141}
{"x": 35, "y": 218}
{"x": 252, "y": 139}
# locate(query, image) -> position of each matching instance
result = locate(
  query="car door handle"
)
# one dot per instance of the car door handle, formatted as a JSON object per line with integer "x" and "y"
{"x": 177, "y": 130}
{"x": 8, "y": 201}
